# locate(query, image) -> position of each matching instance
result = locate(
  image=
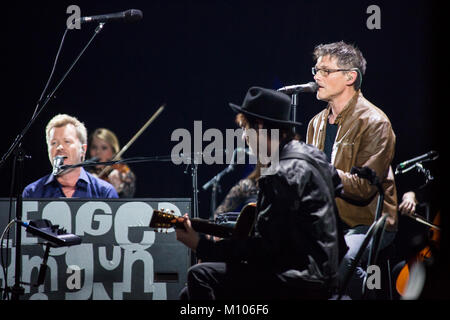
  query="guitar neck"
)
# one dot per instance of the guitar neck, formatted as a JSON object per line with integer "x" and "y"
{"x": 240, "y": 230}
{"x": 208, "y": 227}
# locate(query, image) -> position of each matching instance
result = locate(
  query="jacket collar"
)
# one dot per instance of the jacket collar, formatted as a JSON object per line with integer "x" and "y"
{"x": 350, "y": 106}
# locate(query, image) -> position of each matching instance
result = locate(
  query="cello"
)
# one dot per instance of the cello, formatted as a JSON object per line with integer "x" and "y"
{"x": 425, "y": 255}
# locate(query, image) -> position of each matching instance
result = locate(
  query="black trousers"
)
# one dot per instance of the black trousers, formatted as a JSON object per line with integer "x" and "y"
{"x": 221, "y": 281}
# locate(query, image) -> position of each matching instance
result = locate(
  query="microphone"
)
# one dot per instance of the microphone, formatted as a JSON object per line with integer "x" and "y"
{"x": 128, "y": 16}
{"x": 308, "y": 87}
{"x": 228, "y": 169}
{"x": 432, "y": 155}
{"x": 233, "y": 163}
{"x": 57, "y": 162}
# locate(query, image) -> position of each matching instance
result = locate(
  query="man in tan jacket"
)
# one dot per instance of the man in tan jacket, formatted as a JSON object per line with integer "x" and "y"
{"x": 353, "y": 133}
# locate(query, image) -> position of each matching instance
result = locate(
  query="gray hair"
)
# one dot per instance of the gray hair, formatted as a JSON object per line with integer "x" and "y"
{"x": 347, "y": 55}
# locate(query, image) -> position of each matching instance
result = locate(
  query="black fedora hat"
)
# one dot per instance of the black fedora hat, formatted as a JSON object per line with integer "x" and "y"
{"x": 266, "y": 104}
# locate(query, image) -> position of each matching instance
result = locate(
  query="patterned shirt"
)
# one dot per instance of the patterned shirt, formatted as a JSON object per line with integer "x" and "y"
{"x": 245, "y": 191}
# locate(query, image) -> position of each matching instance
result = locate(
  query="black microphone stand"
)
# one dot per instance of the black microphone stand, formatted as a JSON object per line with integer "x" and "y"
{"x": 19, "y": 158}
{"x": 294, "y": 104}
{"x": 426, "y": 172}
{"x": 195, "y": 214}
{"x": 193, "y": 166}
{"x": 216, "y": 188}
{"x": 17, "y": 150}
{"x": 44, "y": 267}
{"x": 428, "y": 179}
{"x": 214, "y": 184}
{"x": 90, "y": 163}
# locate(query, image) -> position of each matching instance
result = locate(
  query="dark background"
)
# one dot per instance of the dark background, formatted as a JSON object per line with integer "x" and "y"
{"x": 197, "y": 56}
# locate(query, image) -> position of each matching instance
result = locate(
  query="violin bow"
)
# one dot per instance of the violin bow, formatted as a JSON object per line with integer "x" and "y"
{"x": 420, "y": 219}
{"x": 125, "y": 148}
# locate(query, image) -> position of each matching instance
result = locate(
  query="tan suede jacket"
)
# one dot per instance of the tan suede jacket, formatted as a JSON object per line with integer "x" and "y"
{"x": 364, "y": 138}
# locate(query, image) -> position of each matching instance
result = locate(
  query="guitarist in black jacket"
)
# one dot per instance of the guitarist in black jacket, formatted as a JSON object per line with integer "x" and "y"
{"x": 295, "y": 247}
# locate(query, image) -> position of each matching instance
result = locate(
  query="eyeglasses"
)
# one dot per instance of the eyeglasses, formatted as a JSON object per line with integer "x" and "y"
{"x": 326, "y": 72}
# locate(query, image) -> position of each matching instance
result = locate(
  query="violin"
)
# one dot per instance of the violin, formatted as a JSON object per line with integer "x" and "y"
{"x": 425, "y": 255}
{"x": 121, "y": 167}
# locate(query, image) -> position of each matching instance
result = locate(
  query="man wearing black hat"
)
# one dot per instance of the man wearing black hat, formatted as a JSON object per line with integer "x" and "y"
{"x": 295, "y": 246}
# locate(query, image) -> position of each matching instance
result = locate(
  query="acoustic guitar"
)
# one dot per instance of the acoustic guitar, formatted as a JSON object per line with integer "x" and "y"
{"x": 164, "y": 219}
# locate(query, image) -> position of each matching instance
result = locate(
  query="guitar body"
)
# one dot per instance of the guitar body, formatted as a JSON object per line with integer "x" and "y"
{"x": 241, "y": 230}
{"x": 245, "y": 222}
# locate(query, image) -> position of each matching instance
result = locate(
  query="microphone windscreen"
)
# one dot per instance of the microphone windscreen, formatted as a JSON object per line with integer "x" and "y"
{"x": 133, "y": 15}
{"x": 314, "y": 86}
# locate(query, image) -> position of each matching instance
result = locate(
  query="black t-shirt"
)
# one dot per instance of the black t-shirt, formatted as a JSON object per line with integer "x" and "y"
{"x": 330, "y": 136}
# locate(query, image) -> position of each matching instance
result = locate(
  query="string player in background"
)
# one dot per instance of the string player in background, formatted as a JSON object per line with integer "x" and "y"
{"x": 104, "y": 145}
{"x": 420, "y": 227}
